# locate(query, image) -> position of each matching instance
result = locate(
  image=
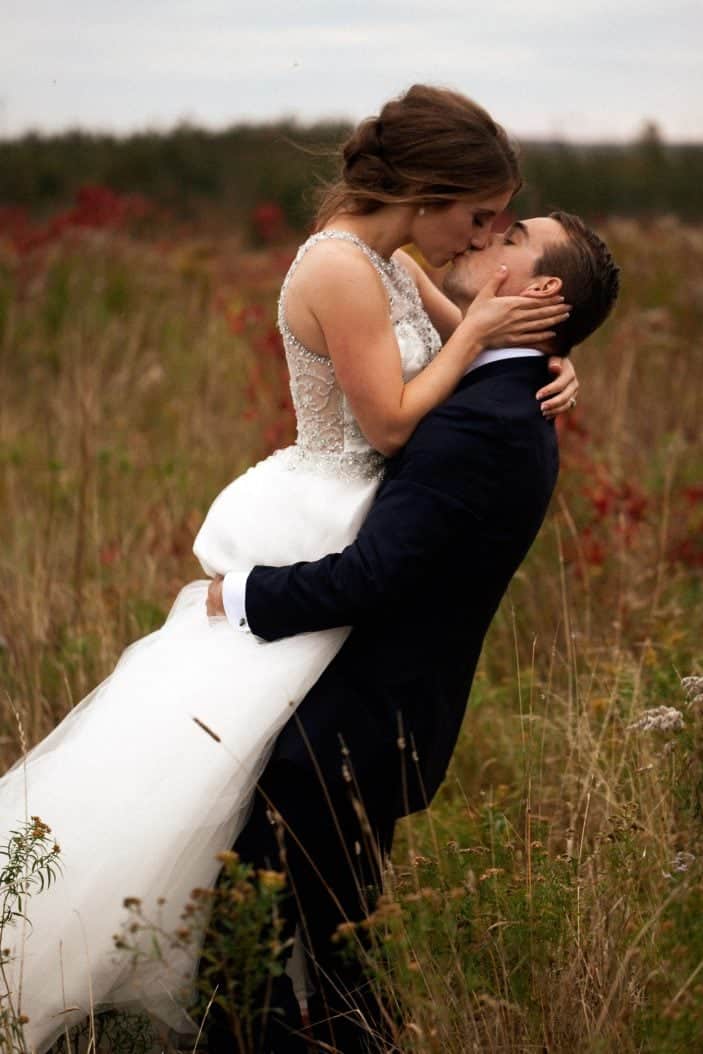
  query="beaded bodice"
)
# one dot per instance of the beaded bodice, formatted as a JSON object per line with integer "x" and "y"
{"x": 328, "y": 433}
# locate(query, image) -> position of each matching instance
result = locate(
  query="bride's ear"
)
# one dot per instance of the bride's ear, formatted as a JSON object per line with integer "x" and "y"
{"x": 543, "y": 286}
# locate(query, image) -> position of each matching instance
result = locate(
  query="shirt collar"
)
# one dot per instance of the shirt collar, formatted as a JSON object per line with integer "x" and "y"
{"x": 496, "y": 354}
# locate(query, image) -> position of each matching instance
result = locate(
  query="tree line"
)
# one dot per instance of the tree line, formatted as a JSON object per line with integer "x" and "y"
{"x": 222, "y": 176}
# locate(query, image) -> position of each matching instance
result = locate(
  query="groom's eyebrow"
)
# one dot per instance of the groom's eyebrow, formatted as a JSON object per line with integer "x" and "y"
{"x": 516, "y": 227}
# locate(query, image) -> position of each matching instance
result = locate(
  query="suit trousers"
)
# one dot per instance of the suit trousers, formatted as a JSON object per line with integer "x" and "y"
{"x": 331, "y": 848}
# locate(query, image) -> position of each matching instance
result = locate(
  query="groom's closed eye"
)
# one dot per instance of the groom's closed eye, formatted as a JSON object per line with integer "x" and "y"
{"x": 517, "y": 228}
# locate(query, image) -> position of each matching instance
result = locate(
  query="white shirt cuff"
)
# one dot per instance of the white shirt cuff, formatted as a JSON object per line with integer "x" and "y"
{"x": 234, "y": 587}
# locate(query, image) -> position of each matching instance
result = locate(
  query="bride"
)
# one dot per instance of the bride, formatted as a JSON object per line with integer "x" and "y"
{"x": 139, "y": 796}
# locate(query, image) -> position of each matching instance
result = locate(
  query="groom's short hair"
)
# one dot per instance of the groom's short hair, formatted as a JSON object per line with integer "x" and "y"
{"x": 590, "y": 279}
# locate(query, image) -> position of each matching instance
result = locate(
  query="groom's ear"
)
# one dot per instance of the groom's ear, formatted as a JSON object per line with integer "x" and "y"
{"x": 541, "y": 285}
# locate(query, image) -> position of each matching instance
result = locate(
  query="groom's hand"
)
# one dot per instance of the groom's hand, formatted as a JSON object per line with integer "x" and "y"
{"x": 215, "y": 605}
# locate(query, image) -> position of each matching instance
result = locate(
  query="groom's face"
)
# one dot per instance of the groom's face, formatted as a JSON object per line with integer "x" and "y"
{"x": 519, "y": 248}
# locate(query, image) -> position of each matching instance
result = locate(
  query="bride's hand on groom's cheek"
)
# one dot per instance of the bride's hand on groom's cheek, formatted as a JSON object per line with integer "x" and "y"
{"x": 214, "y": 604}
{"x": 560, "y": 395}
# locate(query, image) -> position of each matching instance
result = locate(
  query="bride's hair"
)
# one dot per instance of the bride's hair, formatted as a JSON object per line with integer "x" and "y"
{"x": 426, "y": 147}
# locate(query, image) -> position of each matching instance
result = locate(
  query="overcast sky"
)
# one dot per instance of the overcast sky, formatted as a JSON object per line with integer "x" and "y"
{"x": 580, "y": 69}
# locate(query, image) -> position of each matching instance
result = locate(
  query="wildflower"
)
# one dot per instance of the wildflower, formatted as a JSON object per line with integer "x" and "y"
{"x": 344, "y": 930}
{"x": 272, "y": 881}
{"x": 200, "y": 894}
{"x": 658, "y": 719}
{"x": 228, "y": 856}
{"x": 428, "y": 893}
{"x": 682, "y": 861}
{"x": 412, "y": 898}
{"x": 417, "y": 860}
{"x": 39, "y": 828}
{"x": 693, "y": 690}
{"x": 384, "y": 900}
{"x": 491, "y": 872}
{"x": 131, "y": 902}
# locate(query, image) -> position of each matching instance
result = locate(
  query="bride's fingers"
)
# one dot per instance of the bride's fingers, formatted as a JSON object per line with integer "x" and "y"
{"x": 532, "y": 306}
{"x": 561, "y": 402}
{"x": 544, "y": 310}
{"x": 559, "y": 385}
{"x": 525, "y": 338}
{"x": 543, "y": 321}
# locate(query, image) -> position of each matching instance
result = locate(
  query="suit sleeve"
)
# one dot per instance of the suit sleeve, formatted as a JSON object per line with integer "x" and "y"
{"x": 414, "y": 526}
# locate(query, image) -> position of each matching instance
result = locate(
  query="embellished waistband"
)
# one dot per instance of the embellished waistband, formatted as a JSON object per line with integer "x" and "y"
{"x": 348, "y": 464}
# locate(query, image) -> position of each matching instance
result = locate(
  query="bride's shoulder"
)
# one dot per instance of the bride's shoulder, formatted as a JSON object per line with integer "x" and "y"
{"x": 334, "y": 267}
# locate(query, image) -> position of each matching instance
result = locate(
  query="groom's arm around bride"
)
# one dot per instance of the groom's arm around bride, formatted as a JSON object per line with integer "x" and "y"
{"x": 457, "y": 511}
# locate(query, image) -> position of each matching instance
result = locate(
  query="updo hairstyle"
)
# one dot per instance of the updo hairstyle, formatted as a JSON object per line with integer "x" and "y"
{"x": 427, "y": 147}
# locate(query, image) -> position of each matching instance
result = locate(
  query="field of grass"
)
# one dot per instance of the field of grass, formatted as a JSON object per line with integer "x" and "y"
{"x": 551, "y": 898}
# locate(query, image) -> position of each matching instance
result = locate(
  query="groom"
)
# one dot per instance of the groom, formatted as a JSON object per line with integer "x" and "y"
{"x": 455, "y": 515}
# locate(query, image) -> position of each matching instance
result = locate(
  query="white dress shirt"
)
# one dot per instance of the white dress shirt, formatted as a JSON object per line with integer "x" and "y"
{"x": 234, "y": 586}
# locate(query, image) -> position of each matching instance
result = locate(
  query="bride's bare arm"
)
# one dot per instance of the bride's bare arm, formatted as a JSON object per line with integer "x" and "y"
{"x": 444, "y": 315}
{"x": 556, "y": 397}
{"x": 349, "y": 304}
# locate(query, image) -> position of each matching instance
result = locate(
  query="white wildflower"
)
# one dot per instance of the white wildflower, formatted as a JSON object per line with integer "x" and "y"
{"x": 658, "y": 719}
{"x": 682, "y": 861}
{"x": 693, "y": 690}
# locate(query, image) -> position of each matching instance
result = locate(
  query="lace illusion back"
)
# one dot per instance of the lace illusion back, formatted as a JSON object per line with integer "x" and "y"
{"x": 328, "y": 433}
{"x": 318, "y": 490}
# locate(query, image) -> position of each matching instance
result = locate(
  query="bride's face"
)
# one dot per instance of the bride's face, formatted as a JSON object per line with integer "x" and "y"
{"x": 443, "y": 232}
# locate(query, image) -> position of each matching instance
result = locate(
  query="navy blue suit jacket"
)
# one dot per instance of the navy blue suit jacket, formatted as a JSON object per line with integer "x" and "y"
{"x": 455, "y": 515}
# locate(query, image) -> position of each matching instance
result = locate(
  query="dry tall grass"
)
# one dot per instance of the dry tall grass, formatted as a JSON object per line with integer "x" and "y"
{"x": 547, "y": 899}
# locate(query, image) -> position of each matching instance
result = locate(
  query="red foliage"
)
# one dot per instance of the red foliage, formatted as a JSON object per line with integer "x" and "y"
{"x": 269, "y": 222}
{"x": 266, "y": 391}
{"x": 110, "y": 553}
{"x": 95, "y": 208}
{"x": 593, "y": 549}
{"x": 269, "y": 343}
{"x": 693, "y": 495}
{"x": 244, "y": 318}
{"x": 688, "y": 551}
{"x": 617, "y": 510}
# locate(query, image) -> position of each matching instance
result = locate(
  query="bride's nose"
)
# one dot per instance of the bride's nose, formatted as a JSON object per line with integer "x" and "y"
{"x": 479, "y": 238}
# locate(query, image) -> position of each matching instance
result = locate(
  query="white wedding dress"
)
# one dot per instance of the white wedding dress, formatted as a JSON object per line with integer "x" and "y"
{"x": 138, "y": 796}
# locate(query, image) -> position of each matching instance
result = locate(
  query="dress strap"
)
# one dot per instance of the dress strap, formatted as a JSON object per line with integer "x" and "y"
{"x": 386, "y": 270}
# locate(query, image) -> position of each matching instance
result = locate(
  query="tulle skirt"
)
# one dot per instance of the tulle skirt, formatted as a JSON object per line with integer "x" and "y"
{"x": 138, "y": 794}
